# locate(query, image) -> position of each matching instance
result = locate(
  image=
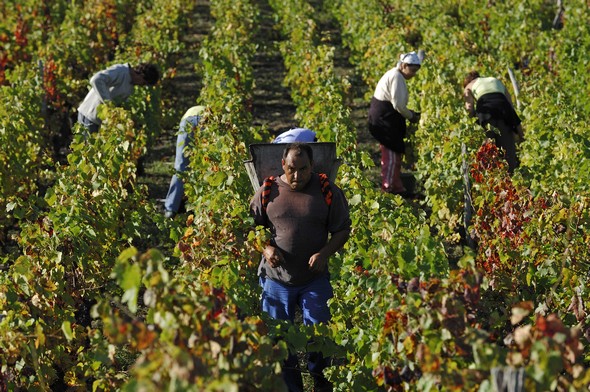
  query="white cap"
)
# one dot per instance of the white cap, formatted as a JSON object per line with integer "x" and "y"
{"x": 410, "y": 58}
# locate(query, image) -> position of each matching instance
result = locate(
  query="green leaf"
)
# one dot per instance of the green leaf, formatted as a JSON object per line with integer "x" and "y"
{"x": 40, "y": 341}
{"x": 130, "y": 283}
{"x": 127, "y": 254}
{"x": 216, "y": 179}
{"x": 356, "y": 199}
{"x": 66, "y": 328}
{"x": 297, "y": 338}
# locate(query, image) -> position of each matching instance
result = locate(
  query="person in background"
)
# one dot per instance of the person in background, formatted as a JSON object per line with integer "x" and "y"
{"x": 388, "y": 113}
{"x": 186, "y": 129}
{"x": 115, "y": 84}
{"x": 488, "y": 99}
{"x": 307, "y": 226}
{"x": 296, "y": 135}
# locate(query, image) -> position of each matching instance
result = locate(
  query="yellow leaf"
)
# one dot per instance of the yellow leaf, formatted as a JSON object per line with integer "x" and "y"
{"x": 40, "y": 340}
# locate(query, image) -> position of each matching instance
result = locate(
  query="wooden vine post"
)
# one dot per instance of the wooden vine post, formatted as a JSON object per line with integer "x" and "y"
{"x": 514, "y": 86}
{"x": 558, "y": 20}
{"x": 468, "y": 209}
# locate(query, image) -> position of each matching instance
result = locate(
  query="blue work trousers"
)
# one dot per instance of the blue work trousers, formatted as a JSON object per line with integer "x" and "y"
{"x": 280, "y": 301}
{"x": 183, "y": 140}
{"x": 90, "y": 126}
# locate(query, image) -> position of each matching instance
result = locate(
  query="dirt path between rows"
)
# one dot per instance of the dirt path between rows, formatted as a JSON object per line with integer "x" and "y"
{"x": 178, "y": 94}
{"x": 272, "y": 105}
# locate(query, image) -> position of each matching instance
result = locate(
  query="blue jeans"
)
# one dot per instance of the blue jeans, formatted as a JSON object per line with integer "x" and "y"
{"x": 280, "y": 301}
{"x": 183, "y": 140}
{"x": 89, "y": 125}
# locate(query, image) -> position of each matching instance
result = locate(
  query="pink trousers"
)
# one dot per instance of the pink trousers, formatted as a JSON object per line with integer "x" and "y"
{"x": 391, "y": 164}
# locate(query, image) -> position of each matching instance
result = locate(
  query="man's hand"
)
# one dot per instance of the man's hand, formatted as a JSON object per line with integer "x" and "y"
{"x": 273, "y": 256}
{"x": 318, "y": 262}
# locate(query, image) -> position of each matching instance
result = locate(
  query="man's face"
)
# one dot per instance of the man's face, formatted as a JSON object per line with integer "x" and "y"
{"x": 137, "y": 78}
{"x": 297, "y": 167}
{"x": 409, "y": 71}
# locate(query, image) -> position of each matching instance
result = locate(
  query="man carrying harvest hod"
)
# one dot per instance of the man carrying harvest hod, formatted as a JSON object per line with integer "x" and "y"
{"x": 309, "y": 221}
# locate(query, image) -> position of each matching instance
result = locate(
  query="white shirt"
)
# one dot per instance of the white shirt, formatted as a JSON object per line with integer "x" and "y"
{"x": 113, "y": 83}
{"x": 392, "y": 87}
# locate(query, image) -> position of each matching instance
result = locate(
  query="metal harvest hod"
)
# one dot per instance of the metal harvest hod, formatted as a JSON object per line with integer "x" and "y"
{"x": 266, "y": 161}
